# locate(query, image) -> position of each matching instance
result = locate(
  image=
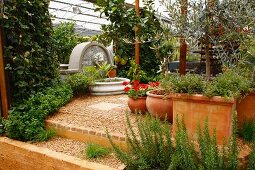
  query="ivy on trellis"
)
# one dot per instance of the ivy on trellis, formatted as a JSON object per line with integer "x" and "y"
{"x": 28, "y": 52}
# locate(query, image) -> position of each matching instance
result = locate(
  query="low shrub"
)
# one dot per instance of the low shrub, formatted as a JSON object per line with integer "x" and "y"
{"x": 247, "y": 131}
{"x": 251, "y": 165}
{"x": 229, "y": 84}
{"x": 152, "y": 148}
{"x": 95, "y": 151}
{"x": 79, "y": 83}
{"x": 2, "y": 124}
{"x": 189, "y": 83}
{"x": 184, "y": 155}
{"x": 26, "y": 121}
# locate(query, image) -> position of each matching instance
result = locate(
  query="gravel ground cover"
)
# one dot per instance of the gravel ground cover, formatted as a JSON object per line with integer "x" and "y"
{"x": 82, "y": 112}
{"x": 76, "y": 149}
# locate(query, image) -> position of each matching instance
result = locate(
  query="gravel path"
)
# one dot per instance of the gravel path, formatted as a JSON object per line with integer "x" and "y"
{"x": 76, "y": 149}
{"x": 80, "y": 112}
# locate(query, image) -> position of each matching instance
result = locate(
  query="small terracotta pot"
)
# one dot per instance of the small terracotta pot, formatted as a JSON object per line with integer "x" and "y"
{"x": 160, "y": 105}
{"x": 112, "y": 73}
{"x": 195, "y": 109}
{"x": 246, "y": 109}
{"x": 137, "y": 105}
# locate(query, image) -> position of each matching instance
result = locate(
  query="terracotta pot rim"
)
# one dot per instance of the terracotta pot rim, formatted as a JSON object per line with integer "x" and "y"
{"x": 200, "y": 97}
{"x": 157, "y": 95}
{"x": 138, "y": 97}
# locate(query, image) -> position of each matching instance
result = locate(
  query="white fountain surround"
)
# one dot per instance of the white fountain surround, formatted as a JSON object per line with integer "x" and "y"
{"x": 108, "y": 88}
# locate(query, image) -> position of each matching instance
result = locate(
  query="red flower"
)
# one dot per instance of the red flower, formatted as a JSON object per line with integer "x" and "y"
{"x": 154, "y": 84}
{"x": 125, "y": 83}
{"x": 144, "y": 86}
{"x": 136, "y": 87}
{"x": 126, "y": 89}
{"x": 157, "y": 83}
{"x": 136, "y": 82}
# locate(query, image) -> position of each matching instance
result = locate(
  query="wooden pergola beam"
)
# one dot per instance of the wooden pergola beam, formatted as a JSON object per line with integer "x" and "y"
{"x": 183, "y": 45}
{"x": 3, "y": 89}
{"x": 137, "y": 46}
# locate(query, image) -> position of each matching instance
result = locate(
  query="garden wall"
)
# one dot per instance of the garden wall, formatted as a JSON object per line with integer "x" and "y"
{"x": 19, "y": 155}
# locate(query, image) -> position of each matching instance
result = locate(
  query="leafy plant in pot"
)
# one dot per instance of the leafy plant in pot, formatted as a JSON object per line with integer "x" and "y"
{"x": 137, "y": 94}
{"x": 159, "y": 102}
{"x": 195, "y": 100}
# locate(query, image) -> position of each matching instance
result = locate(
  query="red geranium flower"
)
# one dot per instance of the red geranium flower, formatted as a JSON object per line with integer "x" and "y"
{"x": 126, "y": 89}
{"x": 144, "y": 86}
{"x": 125, "y": 83}
{"x": 136, "y": 82}
{"x": 136, "y": 87}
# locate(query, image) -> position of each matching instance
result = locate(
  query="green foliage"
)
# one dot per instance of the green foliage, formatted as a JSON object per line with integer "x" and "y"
{"x": 122, "y": 30}
{"x": 65, "y": 39}
{"x": 247, "y": 131}
{"x": 232, "y": 157}
{"x": 91, "y": 73}
{"x": 79, "y": 83}
{"x": 211, "y": 158}
{"x": 152, "y": 148}
{"x": 185, "y": 156}
{"x": 229, "y": 84}
{"x": 96, "y": 151}
{"x": 2, "y": 122}
{"x": 251, "y": 164}
{"x": 189, "y": 83}
{"x": 30, "y": 59}
{"x": 135, "y": 72}
{"x": 26, "y": 121}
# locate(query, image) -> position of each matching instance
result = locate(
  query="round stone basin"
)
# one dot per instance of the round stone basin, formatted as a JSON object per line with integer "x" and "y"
{"x": 108, "y": 86}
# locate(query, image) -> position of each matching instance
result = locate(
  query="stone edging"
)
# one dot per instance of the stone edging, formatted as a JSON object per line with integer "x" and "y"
{"x": 19, "y": 155}
{"x": 86, "y": 134}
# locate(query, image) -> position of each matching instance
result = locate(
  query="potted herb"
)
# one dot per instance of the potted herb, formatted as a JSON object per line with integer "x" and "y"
{"x": 196, "y": 100}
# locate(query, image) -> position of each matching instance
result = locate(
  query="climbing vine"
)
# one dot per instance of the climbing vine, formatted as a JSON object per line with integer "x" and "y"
{"x": 29, "y": 55}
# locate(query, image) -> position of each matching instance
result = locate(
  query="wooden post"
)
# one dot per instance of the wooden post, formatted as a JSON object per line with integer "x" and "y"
{"x": 3, "y": 90}
{"x": 137, "y": 46}
{"x": 183, "y": 45}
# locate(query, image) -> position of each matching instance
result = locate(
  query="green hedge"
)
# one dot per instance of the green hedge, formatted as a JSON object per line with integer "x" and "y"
{"x": 26, "y": 121}
{"x": 29, "y": 53}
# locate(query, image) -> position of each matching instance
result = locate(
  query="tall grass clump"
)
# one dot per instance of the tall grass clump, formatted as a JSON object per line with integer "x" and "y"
{"x": 150, "y": 148}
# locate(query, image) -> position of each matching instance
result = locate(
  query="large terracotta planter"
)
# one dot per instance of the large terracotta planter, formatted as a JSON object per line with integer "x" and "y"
{"x": 137, "y": 105}
{"x": 195, "y": 109}
{"x": 160, "y": 105}
{"x": 246, "y": 109}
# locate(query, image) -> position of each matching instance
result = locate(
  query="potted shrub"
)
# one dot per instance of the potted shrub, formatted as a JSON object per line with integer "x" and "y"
{"x": 197, "y": 100}
{"x": 137, "y": 95}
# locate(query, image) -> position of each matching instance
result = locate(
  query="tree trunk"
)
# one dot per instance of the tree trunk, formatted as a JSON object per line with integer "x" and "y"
{"x": 207, "y": 55}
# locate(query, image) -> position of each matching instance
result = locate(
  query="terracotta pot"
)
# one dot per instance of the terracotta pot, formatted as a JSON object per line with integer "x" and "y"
{"x": 195, "y": 109}
{"x": 160, "y": 105}
{"x": 137, "y": 105}
{"x": 112, "y": 73}
{"x": 246, "y": 109}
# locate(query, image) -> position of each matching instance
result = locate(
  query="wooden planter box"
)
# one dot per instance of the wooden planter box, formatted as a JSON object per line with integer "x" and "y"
{"x": 195, "y": 109}
{"x": 246, "y": 109}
